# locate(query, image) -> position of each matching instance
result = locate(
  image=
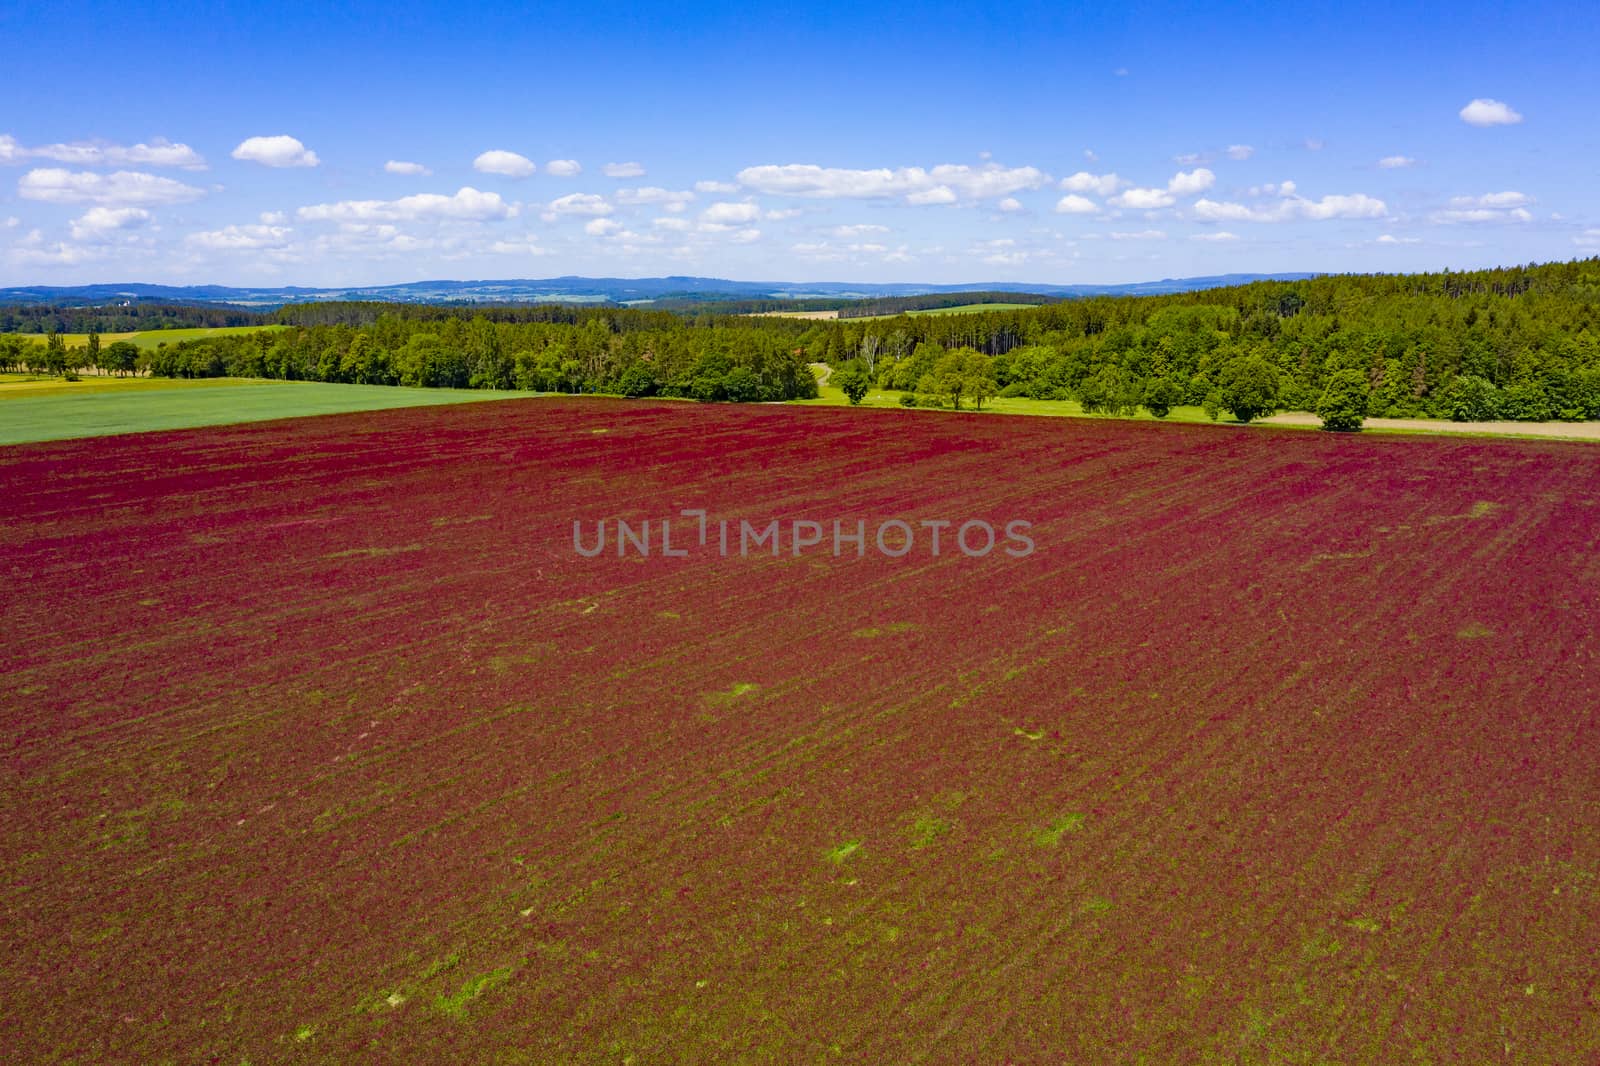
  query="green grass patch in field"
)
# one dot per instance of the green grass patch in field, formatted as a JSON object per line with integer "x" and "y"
{"x": 926, "y": 831}
{"x": 1050, "y": 835}
{"x": 95, "y": 407}
{"x": 455, "y": 1004}
{"x": 840, "y": 852}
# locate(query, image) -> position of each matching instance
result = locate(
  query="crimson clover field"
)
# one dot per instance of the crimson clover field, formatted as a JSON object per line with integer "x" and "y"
{"x": 323, "y": 744}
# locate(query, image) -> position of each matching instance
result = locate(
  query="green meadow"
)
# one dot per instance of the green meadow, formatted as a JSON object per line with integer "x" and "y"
{"x": 40, "y": 409}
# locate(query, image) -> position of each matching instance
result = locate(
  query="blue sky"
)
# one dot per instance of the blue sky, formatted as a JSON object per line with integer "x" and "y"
{"x": 1052, "y": 143}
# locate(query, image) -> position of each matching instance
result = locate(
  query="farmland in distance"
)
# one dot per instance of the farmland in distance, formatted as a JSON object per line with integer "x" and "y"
{"x": 324, "y": 744}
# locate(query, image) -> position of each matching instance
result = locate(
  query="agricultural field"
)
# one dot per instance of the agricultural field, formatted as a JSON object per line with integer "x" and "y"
{"x": 327, "y": 743}
{"x": 35, "y": 408}
{"x": 151, "y": 339}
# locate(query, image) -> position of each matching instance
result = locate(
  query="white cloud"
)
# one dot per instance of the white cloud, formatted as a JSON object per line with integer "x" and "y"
{"x": 1396, "y": 162}
{"x": 848, "y": 233}
{"x": 127, "y": 188}
{"x": 580, "y": 203}
{"x": 522, "y": 247}
{"x": 12, "y": 222}
{"x": 941, "y": 184}
{"x": 1187, "y": 183}
{"x": 1291, "y": 208}
{"x": 623, "y": 170}
{"x": 467, "y": 204}
{"x": 779, "y": 216}
{"x": 400, "y": 166}
{"x": 1090, "y": 155}
{"x": 161, "y": 153}
{"x": 1589, "y": 238}
{"x": 651, "y": 194}
{"x": 730, "y": 213}
{"x": 1484, "y": 112}
{"x": 1073, "y": 204}
{"x": 1143, "y": 199}
{"x": 677, "y": 225}
{"x": 273, "y": 218}
{"x": 99, "y": 222}
{"x": 601, "y": 227}
{"x": 507, "y": 164}
{"x": 1389, "y": 238}
{"x": 1314, "y": 144}
{"x": 1508, "y": 206}
{"x": 241, "y": 238}
{"x": 746, "y": 236}
{"x": 1099, "y": 184}
{"x": 279, "y": 151}
{"x": 1219, "y": 236}
{"x": 1189, "y": 159}
{"x": 1141, "y": 235}
{"x": 1010, "y": 205}
{"x": 1239, "y": 151}
{"x": 563, "y": 168}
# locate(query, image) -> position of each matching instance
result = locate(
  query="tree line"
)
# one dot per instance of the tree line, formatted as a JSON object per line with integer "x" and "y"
{"x": 1520, "y": 343}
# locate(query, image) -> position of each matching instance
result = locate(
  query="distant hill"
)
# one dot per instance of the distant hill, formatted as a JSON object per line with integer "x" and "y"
{"x": 678, "y": 290}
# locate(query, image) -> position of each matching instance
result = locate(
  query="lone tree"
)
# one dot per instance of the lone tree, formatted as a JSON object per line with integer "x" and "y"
{"x": 853, "y": 381}
{"x": 1343, "y": 407}
{"x": 1250, "y": 389}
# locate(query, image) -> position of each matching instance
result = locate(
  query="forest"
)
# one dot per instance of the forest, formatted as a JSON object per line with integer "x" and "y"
{"x": 1519, "y": 343}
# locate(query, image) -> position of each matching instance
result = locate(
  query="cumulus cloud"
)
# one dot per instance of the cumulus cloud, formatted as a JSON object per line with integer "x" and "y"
{"x": 713, "y": 188}
{"x": 507, "y": 164}
{"x": 126, "y": 188}
{"x": 848, "y": 233}
{"x": 1239, "y": 151}
{"x": 273, "y": 218}
{"x": 601, "y": 227}
{"x": 779, "y": 216}
{"x": 1485, "y": 112}
{"x": 1508, "y": 206}
{"x": 652, "y": 194}
{"x": 1099, "y": 184}
{"x": 1291, "y": 208}
{"x": 675, "y": 224}
{"x": 1143, "y": 199}
{"x": 746, "y": 236}
{"x": 99, "y": 222}
{"x": 468, "y": 204}
{"x": 580, "y": 203}
{"x": 526, "y": 246}
{"x": 279, "y": 151}
{"x": 730, "y": 213}
{"x": 1141, "y": 235}
{"x": 941, "y": 184}
{"x": 1589, "y": 238}
{"x": 159, "y": 153}
{"x": 1073, "y": 204}
{"x": 1010, "y": 205}
{"x": 1219, "y": 237}
{"x": 1389, "y": 238}
{"x": 241, "y": 238}
{"x": 623, "y": 170}
{"x": 1187, "y": 183}
{"x": 1396, "y": 162}
{"x": 413, "y": 170}
{"x": 563, "y": 168}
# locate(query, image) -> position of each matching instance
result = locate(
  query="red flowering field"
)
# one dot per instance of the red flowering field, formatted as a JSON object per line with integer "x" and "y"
{"x": 323, "y": 743}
